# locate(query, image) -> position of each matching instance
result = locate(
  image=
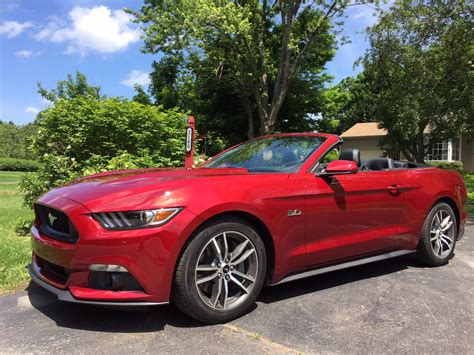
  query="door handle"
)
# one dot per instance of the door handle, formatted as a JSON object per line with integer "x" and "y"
{"x": 394, "y": 189}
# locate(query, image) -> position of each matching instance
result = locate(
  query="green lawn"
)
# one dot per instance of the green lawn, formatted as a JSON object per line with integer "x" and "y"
{"x": 15, "y": 251}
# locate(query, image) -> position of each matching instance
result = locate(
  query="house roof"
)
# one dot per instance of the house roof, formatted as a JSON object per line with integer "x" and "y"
{"x": 365, "y": 129}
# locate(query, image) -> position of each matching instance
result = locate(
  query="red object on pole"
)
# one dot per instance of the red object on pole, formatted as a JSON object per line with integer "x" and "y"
{"x": 190, "y": 133}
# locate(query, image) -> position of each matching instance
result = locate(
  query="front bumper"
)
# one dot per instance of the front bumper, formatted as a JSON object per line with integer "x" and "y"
{"x": 66, "y": 296}
{"x": 149, "y": 255}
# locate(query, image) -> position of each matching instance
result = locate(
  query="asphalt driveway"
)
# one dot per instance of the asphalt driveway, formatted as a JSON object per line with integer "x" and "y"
{"x": 391, "y": 306}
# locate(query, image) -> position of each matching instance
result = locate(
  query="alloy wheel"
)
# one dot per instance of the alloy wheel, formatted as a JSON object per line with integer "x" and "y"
{"x": 226, "y": 270}
{"x": 442, "y": 233}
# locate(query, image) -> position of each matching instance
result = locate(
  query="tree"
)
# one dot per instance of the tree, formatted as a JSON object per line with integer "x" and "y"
{"x": 420, "y": 62}
{"x": 304, "y": 102}
{"x": 167, "y": 79}
{"x": 15, "y": 140}
{"x": 349, "y": 102}
{"x": 264, "y": 46}
{"x": 71, "y": 88}
{"x": 141, "y": 96}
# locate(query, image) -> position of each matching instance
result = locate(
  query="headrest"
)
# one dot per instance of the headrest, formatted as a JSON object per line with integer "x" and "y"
{"x": 351, "y": 154}
{"x": 379, "y": 164}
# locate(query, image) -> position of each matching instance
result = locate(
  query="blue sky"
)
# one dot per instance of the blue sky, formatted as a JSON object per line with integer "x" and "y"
{"x": 44, "y": 40}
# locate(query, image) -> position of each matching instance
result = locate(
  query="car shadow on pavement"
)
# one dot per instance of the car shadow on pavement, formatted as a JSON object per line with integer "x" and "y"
{"x": 152, "y": 319}
{"x": 337, "y": 278}
{"x": 107, "y": 319}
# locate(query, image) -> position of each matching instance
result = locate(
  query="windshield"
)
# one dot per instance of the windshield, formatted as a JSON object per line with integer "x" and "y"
{"x": 272, "y": 154}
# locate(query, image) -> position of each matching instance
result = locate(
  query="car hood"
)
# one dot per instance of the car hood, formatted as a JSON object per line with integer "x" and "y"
{"x": 134, "y": 189}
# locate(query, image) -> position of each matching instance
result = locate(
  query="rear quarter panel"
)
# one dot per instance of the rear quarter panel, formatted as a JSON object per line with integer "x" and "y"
{"x": 426, "y": 186}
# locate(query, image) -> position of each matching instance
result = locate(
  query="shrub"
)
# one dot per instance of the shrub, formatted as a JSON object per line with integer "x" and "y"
{"x": 449, "y": 165}
{"x": 85, "y": 135}
{"x": 11, "y": 164}
{"x": 23, "y": 226}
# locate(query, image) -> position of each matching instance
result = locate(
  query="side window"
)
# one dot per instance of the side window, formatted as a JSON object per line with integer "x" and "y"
{"x": 330, "y": 156}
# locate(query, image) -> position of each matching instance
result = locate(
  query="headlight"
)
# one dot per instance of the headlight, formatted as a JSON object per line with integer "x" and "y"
{"x": 136, "y": 219}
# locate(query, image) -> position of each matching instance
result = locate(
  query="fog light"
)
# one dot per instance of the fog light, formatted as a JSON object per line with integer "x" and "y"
{"x": 113, "y": 281}
{"x": 107, "y": 268}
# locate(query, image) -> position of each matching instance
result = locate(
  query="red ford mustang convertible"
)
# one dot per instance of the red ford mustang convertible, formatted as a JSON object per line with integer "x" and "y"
{"x": 270, "y": 210}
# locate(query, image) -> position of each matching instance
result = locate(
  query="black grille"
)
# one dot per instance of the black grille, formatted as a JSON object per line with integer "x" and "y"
{"x": 54, "y": 272}
{"x": 115, "y": 281}
{"x": 55, "y": 224}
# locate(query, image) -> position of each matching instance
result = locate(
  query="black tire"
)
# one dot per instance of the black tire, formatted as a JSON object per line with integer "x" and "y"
{"x": 185, "y": 293}
{"x": 426, "y": 250}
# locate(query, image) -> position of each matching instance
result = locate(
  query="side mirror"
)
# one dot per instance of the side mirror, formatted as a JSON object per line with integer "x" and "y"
{"x": 339, "y": 167}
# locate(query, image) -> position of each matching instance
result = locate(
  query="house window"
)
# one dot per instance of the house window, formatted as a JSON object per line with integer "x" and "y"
{"x": 444, "y": 151}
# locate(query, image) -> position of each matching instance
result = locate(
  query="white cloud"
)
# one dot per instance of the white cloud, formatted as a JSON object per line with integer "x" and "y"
{"x": 96, "y": 29}
{"x": 136, "y": 77}
{"x": 25, "y": 53}
{"x": 11, "y": 29}
{"x": 33, "y": 110}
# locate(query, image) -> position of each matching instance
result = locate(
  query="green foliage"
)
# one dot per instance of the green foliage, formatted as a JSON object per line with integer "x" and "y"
{"x": 15, "y": 140}
{"x": 236, "y": 64}
{"x": 72, "y": 87}
{"x": 210, "y": 146}
{"x": 11, "y": 164}
{"x": 331, "y": 156}
{"x": 141, "y": 96}
{"x": 23, "y": 226}
{"x": 420, "y": 61}
{"x": 349, "y": 102}
{"x": 169, "y": 83}
{"x": 303, "y": 104}
{"x": 85, "y": 135}
{"x": 469, "y": 181}
{"x": 449, "y": 165}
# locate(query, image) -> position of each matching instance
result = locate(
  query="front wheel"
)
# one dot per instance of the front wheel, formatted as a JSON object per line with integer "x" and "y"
{"x": 438, "y": 237}
{"x": 221, "y": 272}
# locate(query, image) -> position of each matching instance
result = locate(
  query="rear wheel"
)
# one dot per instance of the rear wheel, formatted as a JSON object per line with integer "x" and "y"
{"x": 221, "y": 272}
{"x": 438, "y": 237}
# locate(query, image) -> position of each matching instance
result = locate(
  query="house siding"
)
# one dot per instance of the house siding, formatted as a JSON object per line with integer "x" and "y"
{"x": 467, "y": 154}
{"x": 368, "y": 146}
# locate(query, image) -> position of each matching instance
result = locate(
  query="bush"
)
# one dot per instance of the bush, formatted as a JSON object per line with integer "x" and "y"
{"x": 11, "y": 164}
{"x": 85, "y": 135}
{"x": 449, "y": 165}
{"x": 23, "y": 226}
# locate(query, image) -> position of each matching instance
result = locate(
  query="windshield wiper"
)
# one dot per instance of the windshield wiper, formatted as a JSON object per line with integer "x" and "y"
{"x": 263, "y": 170}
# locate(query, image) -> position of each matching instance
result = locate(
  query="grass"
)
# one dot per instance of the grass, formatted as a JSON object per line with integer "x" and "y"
{"x": 469, "y": 180}
{"x": 15, "y": 250}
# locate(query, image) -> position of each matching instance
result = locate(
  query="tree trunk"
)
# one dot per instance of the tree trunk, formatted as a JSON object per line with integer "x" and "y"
{"x": 284, "y": 76}
{"x": 420, "y": 143}
{"x": 407, "y": 154}
{"x": 248, "y": 109}
{"x": 251, "y": 131}
{"x": 268, "y": 110}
